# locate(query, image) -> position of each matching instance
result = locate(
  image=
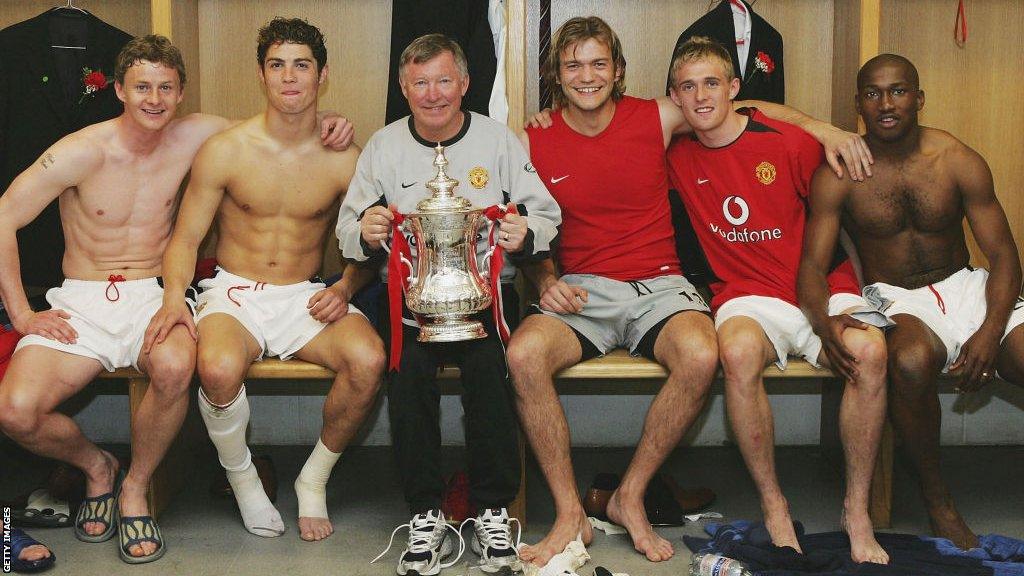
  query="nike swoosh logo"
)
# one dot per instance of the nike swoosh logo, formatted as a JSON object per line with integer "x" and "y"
{"x": 702, "y": 180}
{"x": 404, "y": 185}
{"x": 557, "y": 180}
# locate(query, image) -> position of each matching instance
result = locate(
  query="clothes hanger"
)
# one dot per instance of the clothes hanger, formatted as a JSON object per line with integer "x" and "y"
{"x": 69, "y": 5}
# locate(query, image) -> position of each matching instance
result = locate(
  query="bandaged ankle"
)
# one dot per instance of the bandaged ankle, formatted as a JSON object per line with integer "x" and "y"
{"x": 226, "y": 426}
{"x": 311, "y": 485}
{"x": 258, "y": 513}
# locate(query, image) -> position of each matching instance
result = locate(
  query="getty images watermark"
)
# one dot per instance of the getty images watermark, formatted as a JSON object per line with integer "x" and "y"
{"x": 7, "y": 540}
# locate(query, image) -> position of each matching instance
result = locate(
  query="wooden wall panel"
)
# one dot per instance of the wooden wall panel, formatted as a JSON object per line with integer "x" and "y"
{"x": 132, "y": 16}
{"x": 358, "y": 36}
{"x": 972, "y": 92}
{"x": 648, "y": 31}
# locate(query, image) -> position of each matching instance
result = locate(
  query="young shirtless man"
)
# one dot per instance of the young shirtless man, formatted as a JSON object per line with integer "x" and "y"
{"x": 907, "y": 225}
{"x": 274, "y": 191}
{"x": 118, "y": 183}
{"x": 603, "y": 159}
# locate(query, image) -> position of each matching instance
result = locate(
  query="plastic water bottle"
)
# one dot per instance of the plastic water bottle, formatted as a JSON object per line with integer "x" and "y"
{"x": 707, "y": 564}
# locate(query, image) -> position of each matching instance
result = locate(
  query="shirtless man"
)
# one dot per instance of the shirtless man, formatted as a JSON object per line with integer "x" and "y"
{"x": 275, "y": 192}
{"x": 744, "y": 180}
{"x": 118, "y": 183}
{"x": 610, "y": 244}
{"x": 906, "y": 223}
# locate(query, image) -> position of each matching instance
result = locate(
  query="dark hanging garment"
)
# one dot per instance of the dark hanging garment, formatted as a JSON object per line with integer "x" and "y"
{"x": 42, "y": 99}
{"x": 464, "y": 21}
{"x": 761, "y": 74}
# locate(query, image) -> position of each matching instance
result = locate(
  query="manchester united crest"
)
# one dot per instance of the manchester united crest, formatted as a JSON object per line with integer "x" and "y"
{"x": 765, "y": 173}
{"x": 478, "y": 177}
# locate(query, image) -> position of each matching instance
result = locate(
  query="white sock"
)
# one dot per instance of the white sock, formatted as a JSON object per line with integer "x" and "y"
{"x": 226, "y": 426}
{"x": 311, "y": 485}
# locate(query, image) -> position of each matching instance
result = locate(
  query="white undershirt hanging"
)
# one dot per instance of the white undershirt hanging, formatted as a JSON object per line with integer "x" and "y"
{"x": 741, "y": 22}
{"x": 497, "y": 107}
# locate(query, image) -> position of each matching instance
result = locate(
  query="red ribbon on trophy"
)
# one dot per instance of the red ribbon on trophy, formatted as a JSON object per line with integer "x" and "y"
{"x": 398, "y": 282}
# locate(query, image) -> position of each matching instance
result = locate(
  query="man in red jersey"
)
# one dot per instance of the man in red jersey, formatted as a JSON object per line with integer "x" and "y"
{"x": 621, "y": 285}
{"x": 744, "y": 179}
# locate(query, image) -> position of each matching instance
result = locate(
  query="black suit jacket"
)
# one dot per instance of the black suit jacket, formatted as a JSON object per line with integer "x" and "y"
{"x": 39, "y": 104}
{"x": 464, "y": 21}
{"x": 754, "y": 85}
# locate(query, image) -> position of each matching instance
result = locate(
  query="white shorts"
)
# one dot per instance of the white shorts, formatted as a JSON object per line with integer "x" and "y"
{"x": 275, "y": 315}
{"x": 953, "y": 308}
{"x": 784, "y": 324}
{"x": 110, "y": 317}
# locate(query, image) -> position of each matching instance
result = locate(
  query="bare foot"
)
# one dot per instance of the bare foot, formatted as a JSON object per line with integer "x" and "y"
{"x": 99, "y": 480}
{"x": 780, "y": 526}
{"x": 946, "y": 522}
{"x": 133, "y": 503}
{"x": 314, "y": 529}
{"x": 863, "y": 546}
{"x": 33, "y": 553}
{"x": 565, "y": 529}
{"x": 630, "y": 514}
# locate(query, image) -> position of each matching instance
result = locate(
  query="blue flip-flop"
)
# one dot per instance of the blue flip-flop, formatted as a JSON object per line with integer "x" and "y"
{"x": 19, "y": 541}
{"x": 101, "y": 509}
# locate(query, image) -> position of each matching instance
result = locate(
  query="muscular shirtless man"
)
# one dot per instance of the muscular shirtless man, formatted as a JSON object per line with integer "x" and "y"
{"x": 275, "y": 192}
{"x": 906, "y": 223}
{"x": 117, "y": 182}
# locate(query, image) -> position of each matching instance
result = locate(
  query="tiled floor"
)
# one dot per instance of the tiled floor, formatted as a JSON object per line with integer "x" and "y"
{"x": 205, "y": 535}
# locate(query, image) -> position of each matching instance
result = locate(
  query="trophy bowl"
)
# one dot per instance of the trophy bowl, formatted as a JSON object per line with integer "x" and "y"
{"x": 447, "y": 289}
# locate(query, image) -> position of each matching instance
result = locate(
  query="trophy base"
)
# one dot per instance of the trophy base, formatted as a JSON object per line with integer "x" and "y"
{"x": 451, "y": 330}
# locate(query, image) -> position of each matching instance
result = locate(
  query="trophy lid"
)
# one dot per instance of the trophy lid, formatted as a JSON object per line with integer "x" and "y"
{"x": 443, "y": 198}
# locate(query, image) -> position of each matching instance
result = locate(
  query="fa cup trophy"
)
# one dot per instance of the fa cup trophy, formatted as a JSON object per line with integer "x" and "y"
{"x": 448, "y": 287}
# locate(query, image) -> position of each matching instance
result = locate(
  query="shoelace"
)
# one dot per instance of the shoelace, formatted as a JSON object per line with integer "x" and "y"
{"x": 421, "y": 541}
{"x": 496, "y": 534}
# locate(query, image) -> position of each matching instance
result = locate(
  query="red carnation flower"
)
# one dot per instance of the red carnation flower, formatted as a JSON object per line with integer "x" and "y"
{"x": 95, "y": 79}
{"x": 765, "y": 63}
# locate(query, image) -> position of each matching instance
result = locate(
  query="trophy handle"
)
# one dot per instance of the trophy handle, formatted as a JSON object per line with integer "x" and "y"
{"x": 485, "y": 264}
{"x": 411, "y": 278}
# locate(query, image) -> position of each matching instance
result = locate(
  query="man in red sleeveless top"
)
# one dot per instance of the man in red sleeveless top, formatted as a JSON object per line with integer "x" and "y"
{"x": 619, "y": 282}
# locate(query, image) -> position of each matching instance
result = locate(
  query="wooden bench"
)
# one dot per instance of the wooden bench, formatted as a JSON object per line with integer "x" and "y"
{"x": 617, "y": 365}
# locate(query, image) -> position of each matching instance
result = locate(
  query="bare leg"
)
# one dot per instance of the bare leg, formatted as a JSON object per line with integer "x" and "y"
{"x": 1010, "y": 362}
{"x": 861, "y": 416}
{"x": 353, "y": 350}
{"x": 687, "y": 347}
{"x": 539, "y": 348}
{"x": 170, "y": 366}
{"x": 916, "y": 357}
{"x": 37, "y": 381}
{"x": 745, "y": 351}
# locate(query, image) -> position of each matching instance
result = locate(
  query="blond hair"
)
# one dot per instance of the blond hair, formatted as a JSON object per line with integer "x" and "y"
{"x": 702, "y": 48}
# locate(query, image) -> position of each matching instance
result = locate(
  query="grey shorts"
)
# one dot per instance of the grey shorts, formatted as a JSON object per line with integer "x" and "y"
{"x": 621, "y": 314}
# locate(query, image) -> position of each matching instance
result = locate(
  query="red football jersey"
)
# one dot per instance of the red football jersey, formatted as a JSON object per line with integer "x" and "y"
{"x": 747, "y": 201}
{"x": 613, "y": 191}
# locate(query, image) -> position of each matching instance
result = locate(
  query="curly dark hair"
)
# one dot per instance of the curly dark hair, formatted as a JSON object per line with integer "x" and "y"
{"x": 292, "y": 31}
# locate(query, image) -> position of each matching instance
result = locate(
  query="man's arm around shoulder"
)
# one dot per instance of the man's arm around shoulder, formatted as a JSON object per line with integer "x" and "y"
{"x": 66, "y": 164}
